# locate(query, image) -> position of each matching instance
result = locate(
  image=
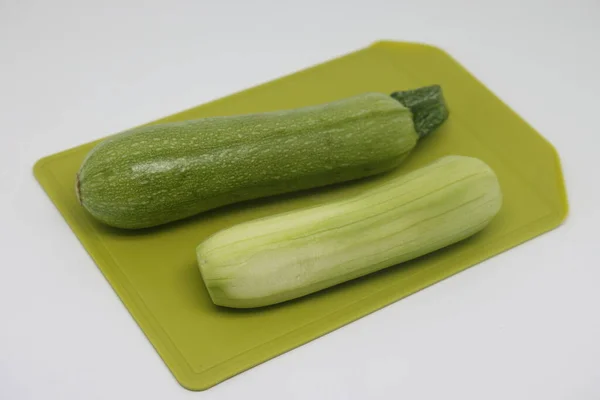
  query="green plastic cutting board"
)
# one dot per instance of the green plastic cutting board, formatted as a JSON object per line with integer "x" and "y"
{"x": 154, "y": 271}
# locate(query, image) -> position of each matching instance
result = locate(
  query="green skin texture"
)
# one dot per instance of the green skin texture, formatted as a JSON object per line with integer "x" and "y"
{"x": 286, "y": 256}
{"x": 157, "y": 174}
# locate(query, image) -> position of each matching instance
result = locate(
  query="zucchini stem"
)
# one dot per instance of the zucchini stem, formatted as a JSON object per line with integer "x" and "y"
{"x": 427, "y": 106}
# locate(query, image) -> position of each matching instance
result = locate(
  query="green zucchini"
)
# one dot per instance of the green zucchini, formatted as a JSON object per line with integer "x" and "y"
{"x": 286, "y": 256}
{"x": 155, "y": 174}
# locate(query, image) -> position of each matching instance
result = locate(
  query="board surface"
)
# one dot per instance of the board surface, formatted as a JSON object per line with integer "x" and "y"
{"x": 154, "y": 271}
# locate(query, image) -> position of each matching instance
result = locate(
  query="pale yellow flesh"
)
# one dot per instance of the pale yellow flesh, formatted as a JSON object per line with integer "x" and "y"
{"x": 286, "y": 256}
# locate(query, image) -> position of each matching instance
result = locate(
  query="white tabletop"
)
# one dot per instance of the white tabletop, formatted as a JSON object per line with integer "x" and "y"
{"x": 523, "y": 325}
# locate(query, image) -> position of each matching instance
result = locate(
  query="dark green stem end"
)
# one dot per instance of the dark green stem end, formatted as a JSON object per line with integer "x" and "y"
{"x": 427, "y": 106}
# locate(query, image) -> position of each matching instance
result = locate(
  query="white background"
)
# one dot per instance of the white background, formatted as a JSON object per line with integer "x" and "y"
{"x": 523, "y": 325}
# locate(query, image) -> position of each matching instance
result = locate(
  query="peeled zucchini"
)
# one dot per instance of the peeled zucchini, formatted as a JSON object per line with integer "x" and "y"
{"x": 156, "y": 174}
{"x": 286, "y": 256}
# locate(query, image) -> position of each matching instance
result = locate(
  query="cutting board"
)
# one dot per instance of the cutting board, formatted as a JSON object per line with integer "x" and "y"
{"x": 154, "y": 271}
